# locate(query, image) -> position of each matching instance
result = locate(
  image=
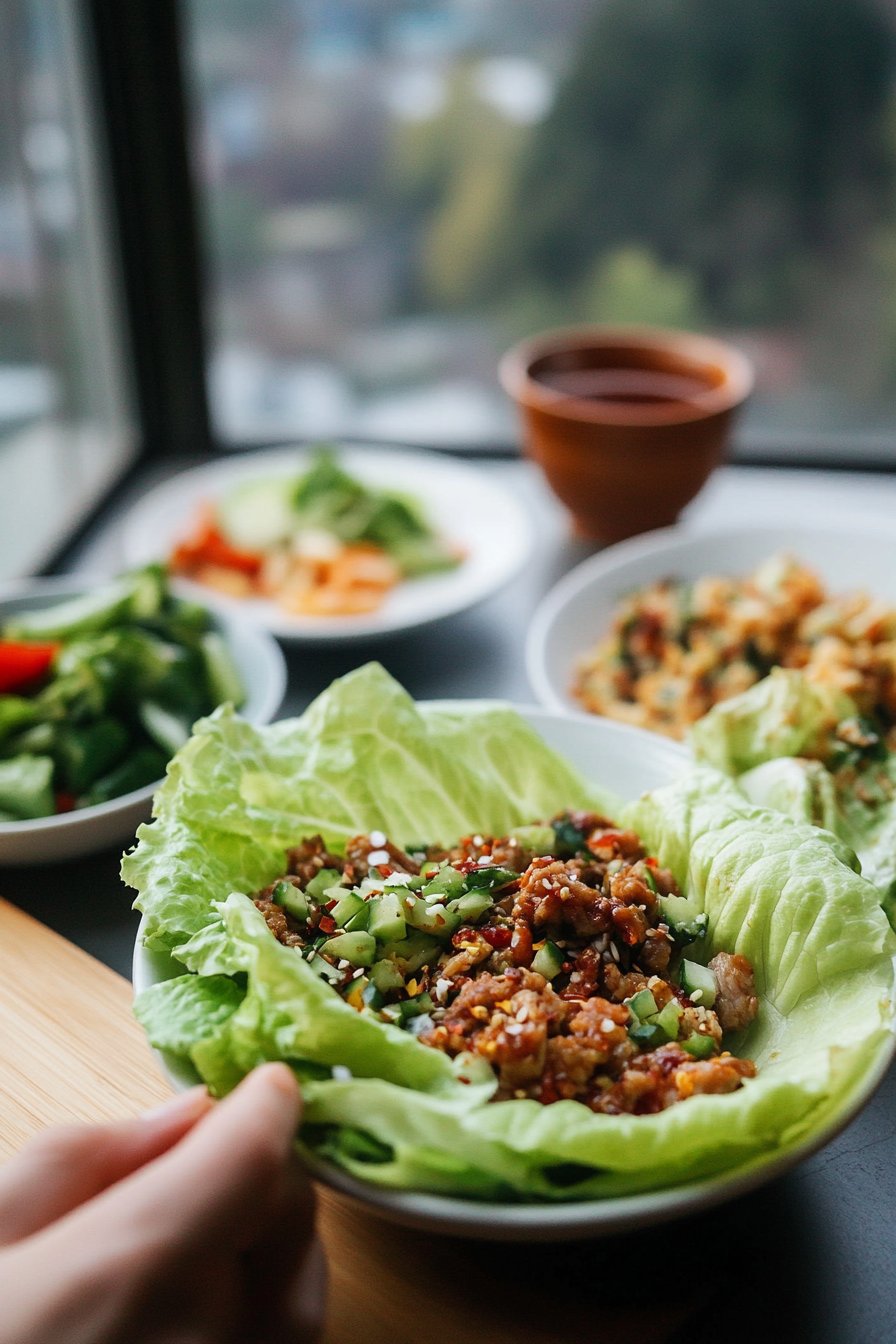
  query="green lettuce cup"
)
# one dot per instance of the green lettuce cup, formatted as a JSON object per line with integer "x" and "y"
{"x": 804, "y": 749}
{"x": 389, "y": 1109}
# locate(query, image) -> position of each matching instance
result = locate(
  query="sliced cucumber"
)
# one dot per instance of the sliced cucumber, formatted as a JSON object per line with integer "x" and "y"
{"x": 471, "y": 906}
{"x": 699, "y": 979}
{"x": 294, "y": 901}
{"x": 436, "y": 919}
{"x": 386, "y": 922}
{"x": 359, "y": 949}
{"x": 698, "y": 1045}
{"x": 385, "y": 976}
{"x": 168, "y": 731}
{"x": 642, "y": 1005}
{"x": 258, "y": 515}
{"x": 417, "y": 950}
{"x": 548, "y": 961}
{"x": 347, "y": 908}
{"x": 320, "y": 884}
{"x": 668, "y": 1018}
{"x": 224, "y": 681}
{"x": 447, "y": 881}
{"x": 537, "y": 839}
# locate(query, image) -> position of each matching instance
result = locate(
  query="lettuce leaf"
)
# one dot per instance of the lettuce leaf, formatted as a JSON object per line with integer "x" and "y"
{"x": 779, "y": 740}
{"x": 397, "y": 1113}
{"x": 362, "y": 757}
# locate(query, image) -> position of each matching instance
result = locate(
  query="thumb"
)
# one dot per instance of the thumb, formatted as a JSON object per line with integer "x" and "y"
{"x": 66, "y": 1166}
{"x": 221, "y": 1180}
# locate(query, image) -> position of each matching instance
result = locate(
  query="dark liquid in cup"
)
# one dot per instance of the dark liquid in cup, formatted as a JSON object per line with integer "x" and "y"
{"x": 620, "y": 386}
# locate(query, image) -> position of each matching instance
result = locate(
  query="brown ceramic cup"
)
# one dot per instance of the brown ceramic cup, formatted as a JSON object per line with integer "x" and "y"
{"x": 626, "y": 422}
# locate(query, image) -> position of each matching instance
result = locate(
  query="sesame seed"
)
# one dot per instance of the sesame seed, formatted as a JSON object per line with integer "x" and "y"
{"x": 607, "y": 1024}
{"x": 343, "y": 964}
{"x": 377, "y": 839}
{"x": 614, "y": 953}
{"x": 514, "y": 1028}
{"x": 377, "y": 856}
{"x": 545, "y": 882}
{"x": 358, "y": 973}
{"x": 696, "y": 996}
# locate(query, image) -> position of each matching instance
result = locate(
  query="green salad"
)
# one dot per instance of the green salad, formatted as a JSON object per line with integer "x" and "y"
{"x": 383, "y": 1103}
{"x": 804, "y": 749}
{"x": 97, "y": 692}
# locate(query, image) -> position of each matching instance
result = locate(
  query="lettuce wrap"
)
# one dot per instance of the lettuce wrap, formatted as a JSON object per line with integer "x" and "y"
{"x": 804, "y": 749}
{"x": 393, "y": 1111}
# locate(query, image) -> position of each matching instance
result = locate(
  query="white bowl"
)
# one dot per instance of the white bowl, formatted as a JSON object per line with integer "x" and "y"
{"x": 467, "y": 505}
{"x": 626, "y": 761}
{"x": 88, "y": 829}
{"x": 579, "y": 610}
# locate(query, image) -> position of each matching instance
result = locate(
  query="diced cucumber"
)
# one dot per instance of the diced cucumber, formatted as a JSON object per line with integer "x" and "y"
{"x": 385, "y": 976}
{"x": 324, "y": 969}
{"x": 386, "y": 922}
{"x": 26, "y": 787}
{"x": 359, "y": 949}
{"x": 668, "y": 1018}
{"x": 537, "y": 839}
{"x": 294, "y": 901}
{"x": 686, "y": 923}
{"x": 346, "y": 908}
{"x": 471, "y": 906}
{"x": 435, "y": 919}
{"x": 407, "y": 1009}
{"x": 136, "y": 595}
{"x": 548, "y": 961}
{"x": 447, "y": 882}
{"x": 372, "y": 997}
{"x": 168, "y": 731}
{"x": 258, "y": 514}
{"x": 320, "y": 884}
{"x": 642, "y": 1005}
{"x": 224, "y": 681}
{"x": 647, "y": 1034}
{"x": 489, "y": 879}
{"x": 696, "y": 978}
{"x": 417, "y": 950}
{"x": 647, "y": 874}
{"x": 698, "y": 1045}
{"x": 358, "y": 921}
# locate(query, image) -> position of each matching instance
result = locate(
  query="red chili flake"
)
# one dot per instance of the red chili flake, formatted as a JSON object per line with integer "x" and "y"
{"x": 327, "y": 924}
{"x": 652, "y": 862}
{"x": 65, "y": 802}
{"x": 462, "y": 1078}
{"x": 521, "y": 944}
{"x": 497, "y": 937}
{"x": 331, "y": 905}
{"x": 384, "y": 870}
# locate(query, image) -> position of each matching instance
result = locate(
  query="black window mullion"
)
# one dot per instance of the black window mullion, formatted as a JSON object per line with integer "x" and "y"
{"x": 137, "y": 55}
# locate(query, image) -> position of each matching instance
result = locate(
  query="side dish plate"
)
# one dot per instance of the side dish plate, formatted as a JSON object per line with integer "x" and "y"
{"x": 464, "y": 503}
{"x": 578, "y": 611}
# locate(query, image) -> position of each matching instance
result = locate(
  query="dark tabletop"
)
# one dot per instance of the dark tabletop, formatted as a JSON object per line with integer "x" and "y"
{"x": 810, "y": 1257}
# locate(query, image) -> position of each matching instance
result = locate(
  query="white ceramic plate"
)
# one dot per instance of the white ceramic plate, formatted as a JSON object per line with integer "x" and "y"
{"x": 578, "y": 611}
{"x": 626, "y": 761}
{"x": 89, "y": 829}
{"x": 463, "y": 503}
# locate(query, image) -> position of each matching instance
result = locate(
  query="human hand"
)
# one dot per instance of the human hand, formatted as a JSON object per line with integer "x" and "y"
{"x": 192, "y": 1224}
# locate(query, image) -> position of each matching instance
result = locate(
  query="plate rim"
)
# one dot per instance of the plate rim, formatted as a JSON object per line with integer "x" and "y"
{"x": 340, "y": 630}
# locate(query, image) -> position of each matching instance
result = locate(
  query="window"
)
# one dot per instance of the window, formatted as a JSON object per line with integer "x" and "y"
{"x": 64, "y": 419}
{"x": 395, "y": 190}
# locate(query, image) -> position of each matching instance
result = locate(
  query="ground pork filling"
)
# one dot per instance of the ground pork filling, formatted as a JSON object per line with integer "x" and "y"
{"x": 557, "y": 954}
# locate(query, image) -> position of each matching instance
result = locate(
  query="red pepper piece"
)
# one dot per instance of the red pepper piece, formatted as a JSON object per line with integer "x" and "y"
{"x": 22, "y": 664}
{"x": 327, "y": 924}
{"x": 65, "y": 802}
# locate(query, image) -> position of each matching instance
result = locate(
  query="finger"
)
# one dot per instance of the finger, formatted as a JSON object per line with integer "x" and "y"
{"x": 219, "y": 1183}
{"x": 67, "y": 1166}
